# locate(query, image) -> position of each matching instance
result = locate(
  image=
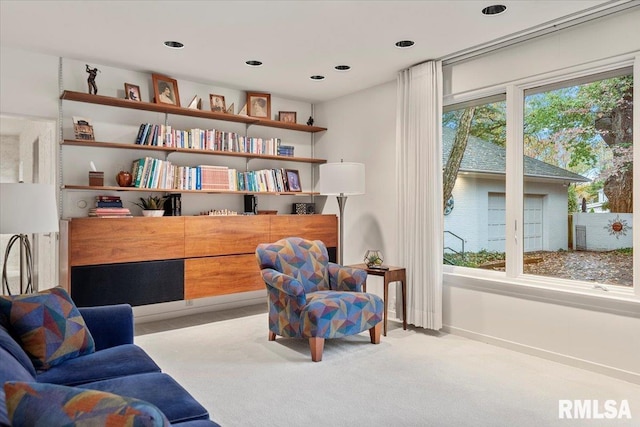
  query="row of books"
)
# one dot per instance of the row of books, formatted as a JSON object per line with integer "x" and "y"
{"x": 209, "y": 139}
{"x": 149, "y": 172}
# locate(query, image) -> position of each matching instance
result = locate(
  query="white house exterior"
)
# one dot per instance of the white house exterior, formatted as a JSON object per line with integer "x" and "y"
{"x": 478, "y": 214}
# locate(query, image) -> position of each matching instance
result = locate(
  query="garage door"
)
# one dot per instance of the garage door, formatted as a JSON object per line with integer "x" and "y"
{"x": 532, "y": 222}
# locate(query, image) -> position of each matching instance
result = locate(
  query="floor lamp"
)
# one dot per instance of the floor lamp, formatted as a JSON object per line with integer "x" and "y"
{"x": 341, "y": 180}
{"x": 25, "y": 209}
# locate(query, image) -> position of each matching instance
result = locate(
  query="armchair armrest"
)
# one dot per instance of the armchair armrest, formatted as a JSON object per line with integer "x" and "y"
{"x": 283, "y": 283}
{"x": 110, "y": 325}
{"x": 343, "y": 278}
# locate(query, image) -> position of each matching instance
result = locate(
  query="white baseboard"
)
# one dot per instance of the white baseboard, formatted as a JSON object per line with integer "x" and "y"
{"x": 170, "y": 310}
{"x": 631, "y": 377}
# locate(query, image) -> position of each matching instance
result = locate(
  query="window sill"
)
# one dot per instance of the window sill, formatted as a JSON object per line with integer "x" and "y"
{"x": 554, "y": 291}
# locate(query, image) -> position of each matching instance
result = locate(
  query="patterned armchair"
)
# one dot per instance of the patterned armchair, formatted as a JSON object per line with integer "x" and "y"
{"x": 310, "y": 297}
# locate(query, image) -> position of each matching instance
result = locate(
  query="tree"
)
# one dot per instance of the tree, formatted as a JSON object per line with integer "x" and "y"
{"x": 450, "y": 173}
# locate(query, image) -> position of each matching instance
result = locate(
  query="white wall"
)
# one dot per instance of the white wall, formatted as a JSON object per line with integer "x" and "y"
{"x": 544, "y": 323}
{"x": 599, "y": 232}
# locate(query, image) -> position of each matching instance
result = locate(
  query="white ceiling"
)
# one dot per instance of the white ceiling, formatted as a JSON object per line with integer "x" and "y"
{"x": 294, "y": 39}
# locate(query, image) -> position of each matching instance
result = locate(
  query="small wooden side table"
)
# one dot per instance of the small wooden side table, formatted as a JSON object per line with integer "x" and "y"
{"x": 393, "y": 274}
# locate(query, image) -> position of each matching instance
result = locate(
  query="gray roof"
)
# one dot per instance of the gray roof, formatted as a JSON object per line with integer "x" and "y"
{"x": 486, "y": 157}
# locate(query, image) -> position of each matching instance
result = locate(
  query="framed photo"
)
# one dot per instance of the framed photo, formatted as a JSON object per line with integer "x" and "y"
{"x": 83, "y": 129}
{"x": 132, "y": 92}
{"x": 259, "y": 105}
{"x": 165, "y": 90}
{"x": 287, "y": 116}
{"x": 217, "y": 103}
{"x": 293, "y": 180}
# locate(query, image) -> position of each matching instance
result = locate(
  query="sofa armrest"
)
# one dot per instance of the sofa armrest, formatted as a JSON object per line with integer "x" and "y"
{"x": 110, "y": 325}
{"x": 343, "y": 278}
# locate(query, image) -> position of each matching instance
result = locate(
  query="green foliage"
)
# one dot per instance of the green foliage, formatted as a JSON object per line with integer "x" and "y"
{"x": 475, "y": 259}
{"x": 151, "y": 203}
{"x": 625, "y": 251}
{"x": 572, "y": 200}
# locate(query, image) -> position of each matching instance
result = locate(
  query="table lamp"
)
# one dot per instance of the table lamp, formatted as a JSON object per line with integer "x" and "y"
{"x": 25, "y": 209}
{"x": 341, "y": 180}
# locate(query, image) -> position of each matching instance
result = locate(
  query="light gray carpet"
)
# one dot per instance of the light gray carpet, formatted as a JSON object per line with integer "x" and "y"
{"x": 412, "y": 378}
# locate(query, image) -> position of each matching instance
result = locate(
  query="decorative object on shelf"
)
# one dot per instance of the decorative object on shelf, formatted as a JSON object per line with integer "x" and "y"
{"x": 217, "y": 103}
{"x": 96, "y": 179}
{"x": 173, "y": 205}
{"x": 287, "y": 116}
{"x": 231, "y": 108}
{"x": 341, "y": 180}
{"x": 152, "y": 205}
{"x": 165, "y": 90}
{"x": 250, "y": 204}
{"x": 259, "y": 105}
{"x": 373, "y": 258}
{"x": 243, "y": 111}
{"x": 310, "y": 121}
{"x": 195, "y": 103}
{"x": 91, "y": 80}
{"x": 124, "y": 178}
{"x": 83, "y": 129}
{"x": 303, "y": 208}
{"x": 26, "y": 209}
{"x": 132, "y": 92}
{"x": 293, "y": 180}
{"x": 219, "y": 212}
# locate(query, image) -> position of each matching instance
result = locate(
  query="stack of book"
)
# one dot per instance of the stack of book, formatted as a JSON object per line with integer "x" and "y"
{"x": 109, "y": 207}
{"x": 285, "y": 150}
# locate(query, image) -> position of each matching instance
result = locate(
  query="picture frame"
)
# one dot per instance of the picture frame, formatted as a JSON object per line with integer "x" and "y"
{"x": 165, "y": 90}
{"x": 217, "y": 103}
{"x": 83, "y": 129}
{"x": 195, "y": 103}
{"x": 132, "y": 92}
{"x": 287, "y": 116}
{"x": 259, "y": 105}
{"x": 293, "y": 180}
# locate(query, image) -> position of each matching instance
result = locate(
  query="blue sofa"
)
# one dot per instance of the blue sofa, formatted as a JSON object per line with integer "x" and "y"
{"x": 117, "y": 366}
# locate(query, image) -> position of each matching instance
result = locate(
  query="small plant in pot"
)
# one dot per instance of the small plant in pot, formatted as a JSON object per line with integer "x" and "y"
{"x": 152, "y": 205}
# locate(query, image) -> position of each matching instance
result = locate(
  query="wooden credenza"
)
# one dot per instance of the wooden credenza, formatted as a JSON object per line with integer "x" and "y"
{"x": 150, "y": 260}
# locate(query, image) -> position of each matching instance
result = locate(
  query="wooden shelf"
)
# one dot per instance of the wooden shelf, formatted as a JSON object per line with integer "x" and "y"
{"x": 180, "y": 111}
{"x": 164, "y": 190}
{"x": 126, "y": 146}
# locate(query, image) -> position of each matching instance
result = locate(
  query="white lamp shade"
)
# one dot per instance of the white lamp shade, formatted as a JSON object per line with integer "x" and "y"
{"x": 341, "y": 179}
{"x": 28, "y": 208}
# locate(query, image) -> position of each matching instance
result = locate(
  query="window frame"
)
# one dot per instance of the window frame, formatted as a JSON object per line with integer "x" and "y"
{"x": 513, "y": 281}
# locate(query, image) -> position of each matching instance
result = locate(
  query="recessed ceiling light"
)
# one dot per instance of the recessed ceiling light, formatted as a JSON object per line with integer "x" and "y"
{"x": 495, "y": 9}
{"x": 342, "y": 67}
{"x": 317, "y": 77}
{"x": 253, "y": 63}
{"x": 403, "y": 44}
{"x": 173, "y": 44}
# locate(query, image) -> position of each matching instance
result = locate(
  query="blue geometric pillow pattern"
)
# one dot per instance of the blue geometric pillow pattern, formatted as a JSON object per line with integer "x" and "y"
{"x": 50, "y": 405}
{"x": 48, "y": 325}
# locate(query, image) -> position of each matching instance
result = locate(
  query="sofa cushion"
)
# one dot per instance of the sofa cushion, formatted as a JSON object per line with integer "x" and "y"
{"x": 48, "y": 326}
{"x": 10, "y": 370}
{"x": 34, "y": 404}
{"x": 113, "y": 362}
{"x": 12, "y": 347}
{"x": 158, "y": 389}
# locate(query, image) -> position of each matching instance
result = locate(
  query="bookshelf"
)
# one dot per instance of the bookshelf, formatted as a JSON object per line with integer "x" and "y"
{"x": 181, "y": 111}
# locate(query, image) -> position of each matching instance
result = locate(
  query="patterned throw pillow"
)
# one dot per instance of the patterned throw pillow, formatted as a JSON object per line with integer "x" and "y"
{"x": 50, "y": 405}
{"x": 48, "y": 325}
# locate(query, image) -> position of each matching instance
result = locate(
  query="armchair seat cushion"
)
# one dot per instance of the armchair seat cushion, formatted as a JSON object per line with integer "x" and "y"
{"x": 113, "y": 362}
{"x": 334, "y": 314}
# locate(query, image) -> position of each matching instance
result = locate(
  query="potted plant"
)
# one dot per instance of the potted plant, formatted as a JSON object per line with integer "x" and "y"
{"x": 152, "y": 205}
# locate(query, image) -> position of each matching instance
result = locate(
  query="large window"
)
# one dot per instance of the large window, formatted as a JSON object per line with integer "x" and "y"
{"x": 578, "y": 175}
{"x": 575, "y": 201}
{"x": 474, "y": 137}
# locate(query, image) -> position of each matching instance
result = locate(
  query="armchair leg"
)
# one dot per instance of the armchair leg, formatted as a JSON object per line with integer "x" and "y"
{"x": 374, "y": 333}
{"x": 317, "y": 346}
{"x": 272, "y": 336}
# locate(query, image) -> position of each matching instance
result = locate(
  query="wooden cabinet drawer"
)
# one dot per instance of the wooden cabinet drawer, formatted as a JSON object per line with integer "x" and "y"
{"x": 310, "y": 227}
{"x": 210, "y": 276}
{"x": 224, "y": 235}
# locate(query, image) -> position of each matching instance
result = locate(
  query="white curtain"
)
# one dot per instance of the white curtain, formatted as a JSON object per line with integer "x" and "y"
{"x": 419, "y": 180}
